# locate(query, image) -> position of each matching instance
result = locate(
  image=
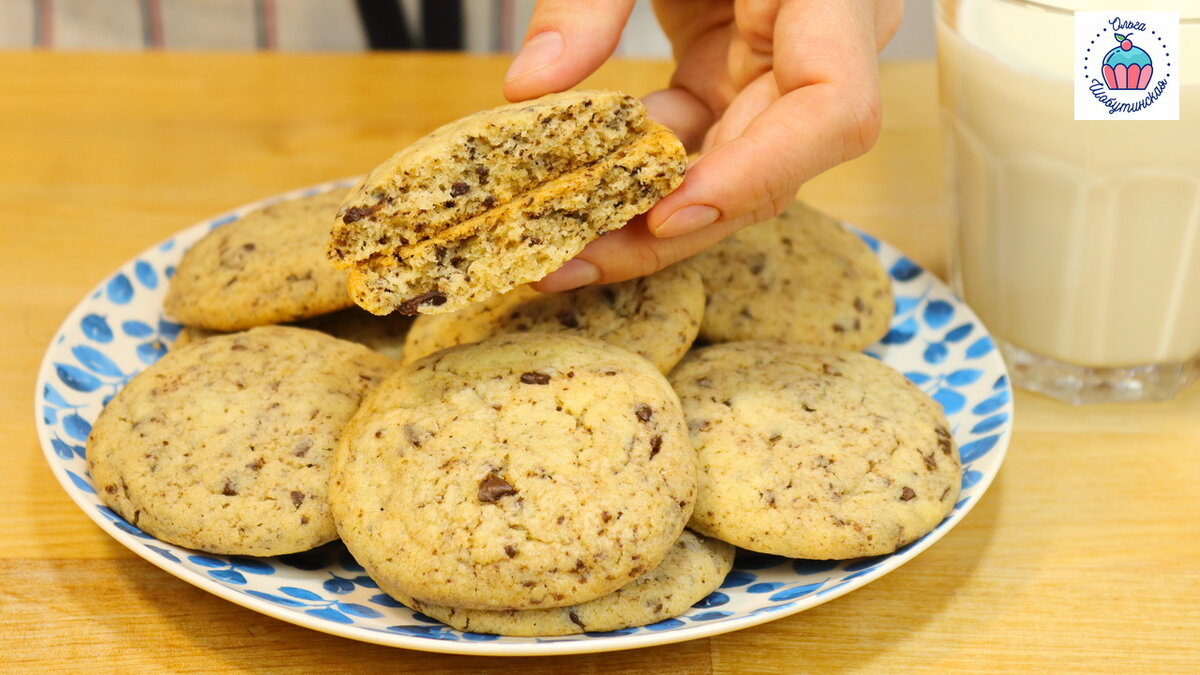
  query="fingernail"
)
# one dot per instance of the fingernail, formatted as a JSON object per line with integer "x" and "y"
{"x": 542, "y": 50}
{"x": 688, "y": 219}
{"x": 573, "y": 274}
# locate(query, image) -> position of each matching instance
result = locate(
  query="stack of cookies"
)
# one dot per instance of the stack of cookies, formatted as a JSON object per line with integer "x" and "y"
{"x": 511, "y": 462}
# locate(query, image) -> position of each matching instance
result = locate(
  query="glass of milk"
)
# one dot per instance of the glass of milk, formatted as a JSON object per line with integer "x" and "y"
{"x": 1076, "y": 242}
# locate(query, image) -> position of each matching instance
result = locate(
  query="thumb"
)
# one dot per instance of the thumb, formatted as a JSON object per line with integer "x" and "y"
{"x": 567, "y": 40}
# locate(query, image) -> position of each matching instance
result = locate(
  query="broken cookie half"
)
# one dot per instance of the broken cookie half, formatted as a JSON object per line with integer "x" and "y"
{"x": 500, "y": 198}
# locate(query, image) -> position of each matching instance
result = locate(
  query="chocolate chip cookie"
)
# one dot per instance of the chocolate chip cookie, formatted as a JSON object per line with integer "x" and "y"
{"x": 800, "y": 277}
{"x": 267, "y": 267}
{"x": 225, "y": 445}
{"x": 811, "y": 453}
{"x": 656, "y": 317}
{"x": 527, "y": 471}
{"x": 499, "y": 199}
{"x": 384, "y": 334}
{"x": 695, "y": 567}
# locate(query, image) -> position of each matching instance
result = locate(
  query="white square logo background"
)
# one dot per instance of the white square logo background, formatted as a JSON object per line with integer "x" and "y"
{"x": 1094, "y": 38}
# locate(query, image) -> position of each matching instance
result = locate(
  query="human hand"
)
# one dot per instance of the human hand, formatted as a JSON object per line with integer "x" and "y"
{"x": 770, "y": 92}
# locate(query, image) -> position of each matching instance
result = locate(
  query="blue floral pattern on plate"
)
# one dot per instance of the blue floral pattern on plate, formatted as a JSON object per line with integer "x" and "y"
{"x": 119, "y": 329}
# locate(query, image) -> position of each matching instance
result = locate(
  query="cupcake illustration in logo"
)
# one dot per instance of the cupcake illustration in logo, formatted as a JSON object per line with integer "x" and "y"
{"x": 1127, "y": 66}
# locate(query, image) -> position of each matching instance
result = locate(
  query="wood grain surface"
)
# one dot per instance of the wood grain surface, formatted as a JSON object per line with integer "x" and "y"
{"x": 1083, "y": 557}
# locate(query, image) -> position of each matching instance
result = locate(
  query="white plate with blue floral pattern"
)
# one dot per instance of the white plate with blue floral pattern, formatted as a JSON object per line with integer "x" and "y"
{"x": 119, "y": 329}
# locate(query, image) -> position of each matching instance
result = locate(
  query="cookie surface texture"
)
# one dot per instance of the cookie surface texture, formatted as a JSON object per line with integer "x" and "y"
{"x": 656, "y": 317}
{"x": 811, "y": 453}
{"x": 695, "y": 567}
{"x": 800, "y": 277}
{"x": 499, "y": 199}
{"x": 526, "y": 471}
{"x": 226, "y": 445}
{"x": 266, "y": 267}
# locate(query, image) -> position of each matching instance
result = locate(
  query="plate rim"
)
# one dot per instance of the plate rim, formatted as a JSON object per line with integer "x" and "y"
{"x": 487, "y": 648}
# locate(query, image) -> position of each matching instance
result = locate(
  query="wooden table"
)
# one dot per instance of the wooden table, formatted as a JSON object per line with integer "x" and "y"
{"x": 1083, "y": 556}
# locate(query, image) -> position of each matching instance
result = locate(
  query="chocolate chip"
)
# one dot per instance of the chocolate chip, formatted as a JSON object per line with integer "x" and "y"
{"x": 449, "y": 204}
{"x": 459, "y": 189}
{"x": 481, "y": 172}
{"x": 655, "y": 446}
{"x": 758, "y": 264}
{"x": 534, "y": 377}
{"x": 110, "y": 489}
{"x": 413, "y": 434}
{"x": 489, "y": 201}
{"x": 567, "y": 319}
{"x": 644, "y": 412}
{"x": 576, "y": 620}
{"x": 858, "y": 304}
{"x": 944, "y": 441}
{"x": 434, "y": 297}
{"x": 301, "y": 447}
{"x": 605, "y": 516}
{"x": 493, "y": 487}
{"x": 297, "y": 498}
{"x": 906, "y": 494}
{"x": 510, "y": 550}
{"x": 355, "y": 213}
{"x": 248, "y": 247}
{"x": 256, "y": 465}
{"x": 228, "y": 489}
{"x": 930, "y": 462}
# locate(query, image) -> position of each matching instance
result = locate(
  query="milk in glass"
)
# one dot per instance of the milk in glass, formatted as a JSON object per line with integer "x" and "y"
{"x": 1077, "y": 242}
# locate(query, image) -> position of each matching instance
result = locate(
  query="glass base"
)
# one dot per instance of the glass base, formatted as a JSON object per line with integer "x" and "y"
{"x": 1082, "y": 384}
